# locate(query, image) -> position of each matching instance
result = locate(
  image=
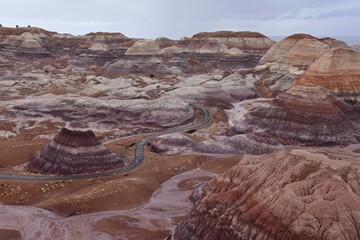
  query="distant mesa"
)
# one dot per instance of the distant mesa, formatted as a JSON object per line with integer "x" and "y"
{"x": 227, "y": 43}
{"x": 74, "y": 152}
{"x": 105, "y": 35}
{"x": 37, "y": 40}
{"x": 104, "y": 41}
{"x": 247, "y": 42}
{"x": 229, "y": 34}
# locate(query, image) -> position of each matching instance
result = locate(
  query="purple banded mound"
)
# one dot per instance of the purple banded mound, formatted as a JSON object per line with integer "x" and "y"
{"x": 74, "y": 152}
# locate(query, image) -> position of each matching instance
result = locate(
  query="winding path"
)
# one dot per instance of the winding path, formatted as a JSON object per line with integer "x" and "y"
{"x": 138, "y": 158}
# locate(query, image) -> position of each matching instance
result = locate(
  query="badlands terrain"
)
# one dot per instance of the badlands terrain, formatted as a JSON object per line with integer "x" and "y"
{"x": 222, "y": 135}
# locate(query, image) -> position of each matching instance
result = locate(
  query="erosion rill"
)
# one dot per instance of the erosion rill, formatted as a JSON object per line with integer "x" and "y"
{"x": 293, "y": 195}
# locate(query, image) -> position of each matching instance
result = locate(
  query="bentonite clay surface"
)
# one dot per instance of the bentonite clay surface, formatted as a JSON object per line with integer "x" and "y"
{"x": 303, "y": 115}
{"x": 306, "y": 115}
{"x": 288, "y": 195}
{"x": 338, "y": 70}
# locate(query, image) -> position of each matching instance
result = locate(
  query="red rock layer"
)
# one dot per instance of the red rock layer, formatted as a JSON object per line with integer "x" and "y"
{"x": 306, "y": 115}
{"x": 289, "y": 196}
{"x": 338, "y": 70}
{"x": 298, "y": 50}
{"x": 74, "y": 152}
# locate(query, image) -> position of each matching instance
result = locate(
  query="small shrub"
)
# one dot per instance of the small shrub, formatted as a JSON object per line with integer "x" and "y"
{"x": 29, "y": 25}
{"x": 17, "y": 26}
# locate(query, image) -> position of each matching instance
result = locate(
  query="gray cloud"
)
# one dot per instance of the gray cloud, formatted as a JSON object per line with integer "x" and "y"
{"x": 145, "y": 18}
{"x": 342, "y": 13}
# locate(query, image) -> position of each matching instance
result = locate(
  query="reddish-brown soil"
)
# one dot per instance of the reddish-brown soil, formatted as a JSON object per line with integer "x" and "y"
{"x": 6, "y": 234}
{"x": 93, "y": 195}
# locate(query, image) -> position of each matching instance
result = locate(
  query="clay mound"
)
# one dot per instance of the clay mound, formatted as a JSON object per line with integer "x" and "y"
{"x": 306, "y": 115}
{"x": 164, "y": 42}
{"x": 234, "y": 52}
{"x": 296, "y": 195}
{"x": 338, "y": 70}
{"x": 74, "y": 152}
{"x": 30, "y": 40}
{"x": 26, "y": 40}
{"x": 98, "y": 47}
{"x": 299, "y": 50}
{"x": 144, "y": 47}
{"x": 213, "y": 46}
{"x": 173, "y": 49}
{"x": 289, "y": 59}
{"x": 333, "y": 43}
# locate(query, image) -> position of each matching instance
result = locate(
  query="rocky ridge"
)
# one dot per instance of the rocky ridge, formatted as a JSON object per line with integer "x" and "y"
{"x": 288, "y": 195}
{"x": 288, "y": 59}
{"x": 298, "y": 50}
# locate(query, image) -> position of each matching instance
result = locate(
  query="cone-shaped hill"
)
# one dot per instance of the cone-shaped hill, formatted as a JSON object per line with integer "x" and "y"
{"x": 338, "y": 70}
{"x": 74, "y": 152}
{"x": 307, "y": 115}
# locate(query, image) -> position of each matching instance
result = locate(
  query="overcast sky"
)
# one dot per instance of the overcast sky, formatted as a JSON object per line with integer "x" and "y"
{"x": 178, "y": 18}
